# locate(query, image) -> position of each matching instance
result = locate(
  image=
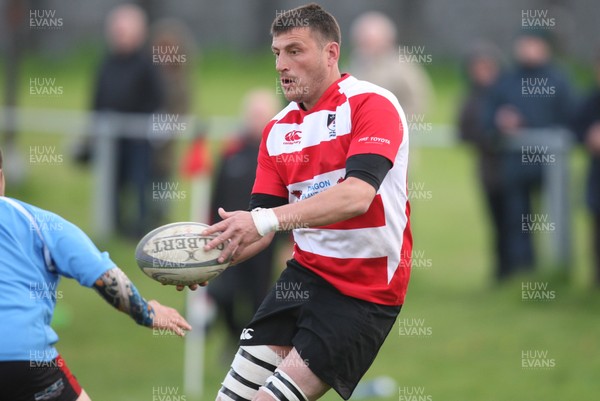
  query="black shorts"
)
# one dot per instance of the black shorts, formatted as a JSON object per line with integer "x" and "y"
{"x": 34, "y": 381}
{"x": 337, "y": 336}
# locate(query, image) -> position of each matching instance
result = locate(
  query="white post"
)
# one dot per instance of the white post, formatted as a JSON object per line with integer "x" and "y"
{"x": 196, "y": 301}
{"x": 104, "y": 178}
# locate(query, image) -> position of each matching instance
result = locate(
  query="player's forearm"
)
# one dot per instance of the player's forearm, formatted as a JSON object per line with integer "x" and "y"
{"x": 253, "y": 249}
{"x": 116, "y": 288}
{"x": 346, "y": 200}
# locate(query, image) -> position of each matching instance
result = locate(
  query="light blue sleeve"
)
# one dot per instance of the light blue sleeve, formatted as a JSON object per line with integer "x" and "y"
{"x": 73, "y": 252}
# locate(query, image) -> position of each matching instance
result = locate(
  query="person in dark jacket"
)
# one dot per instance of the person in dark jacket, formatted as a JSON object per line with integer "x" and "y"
{"x": 587, "y": 129}
{"x": 535, "y": 94}
{"x": 129, "y": 83}
{"x": 482, "y": 68}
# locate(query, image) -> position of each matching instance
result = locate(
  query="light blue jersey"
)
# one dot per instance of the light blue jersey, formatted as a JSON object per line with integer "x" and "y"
{"x": 28, "y": 284}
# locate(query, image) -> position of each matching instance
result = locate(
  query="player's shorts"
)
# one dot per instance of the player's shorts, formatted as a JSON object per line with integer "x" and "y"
{"x": 36, "y": 381}
{"x": 337, "y": 336}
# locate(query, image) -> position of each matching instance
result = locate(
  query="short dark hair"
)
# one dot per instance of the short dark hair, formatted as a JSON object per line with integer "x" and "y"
{"x": 311, "y": 16}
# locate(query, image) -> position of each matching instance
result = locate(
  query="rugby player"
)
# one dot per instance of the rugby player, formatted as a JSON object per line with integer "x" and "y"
{"x": 332, "y": 167}
{"x": 37, "y": 247}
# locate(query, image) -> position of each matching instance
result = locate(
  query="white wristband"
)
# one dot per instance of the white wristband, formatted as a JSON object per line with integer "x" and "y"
{"x": 265, "y": 220}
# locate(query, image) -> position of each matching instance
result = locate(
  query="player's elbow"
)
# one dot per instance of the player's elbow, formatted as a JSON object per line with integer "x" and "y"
{"x": 360, "y": 206}
{"x": 360, "y": 197}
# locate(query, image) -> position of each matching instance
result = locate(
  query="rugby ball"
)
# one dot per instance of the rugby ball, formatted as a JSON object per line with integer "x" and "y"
{"x": 174, "y": 254}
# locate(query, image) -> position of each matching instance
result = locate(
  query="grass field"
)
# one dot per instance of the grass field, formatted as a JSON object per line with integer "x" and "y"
{"x": 475, "y": 334}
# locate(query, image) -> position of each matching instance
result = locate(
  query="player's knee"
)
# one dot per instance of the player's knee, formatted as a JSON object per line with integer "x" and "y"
{"x": 250, "y": 369}
{"x": 281, "y": 387}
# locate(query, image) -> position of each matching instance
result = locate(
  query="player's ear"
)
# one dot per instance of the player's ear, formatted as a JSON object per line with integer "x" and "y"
{"x": 333, "y": 52}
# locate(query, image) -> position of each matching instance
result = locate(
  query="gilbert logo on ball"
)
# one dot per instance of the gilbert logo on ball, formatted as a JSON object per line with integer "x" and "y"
{"x": 174, "y": 254}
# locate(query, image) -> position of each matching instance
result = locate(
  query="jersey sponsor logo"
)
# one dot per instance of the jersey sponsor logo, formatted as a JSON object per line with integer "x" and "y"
{"x": 246, "y": 334}
{"x": 297, "y": 193}
{"x": 314, "y": 189}
{"x": 375, "y": 139}
{"x": 331, "y": 125}
{"x": 292, "y": 137}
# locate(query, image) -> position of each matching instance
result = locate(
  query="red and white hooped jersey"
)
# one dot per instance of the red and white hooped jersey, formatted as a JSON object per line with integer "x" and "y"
{"x": 304, "y": 153}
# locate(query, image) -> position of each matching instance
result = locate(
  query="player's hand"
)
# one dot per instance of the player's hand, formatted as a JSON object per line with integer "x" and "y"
{"x": 237, "y": 231}
{"x": 168, "y": 318}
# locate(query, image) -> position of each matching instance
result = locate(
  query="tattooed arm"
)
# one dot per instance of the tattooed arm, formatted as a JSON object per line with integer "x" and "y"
{"x": 116, "y": 288}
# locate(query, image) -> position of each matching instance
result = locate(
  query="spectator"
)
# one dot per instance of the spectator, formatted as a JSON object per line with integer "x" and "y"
{"x": 239, "y": 290}
{"x": 375, "y": 58}
{"x": 587, "y": 129}
{"x": 535, "y": 94}
{"x": 129, "y": 83}
{"x": 482, "y": 68}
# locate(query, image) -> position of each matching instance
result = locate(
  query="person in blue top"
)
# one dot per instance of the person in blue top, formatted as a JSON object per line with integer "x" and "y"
{"x": 37, "y": 247}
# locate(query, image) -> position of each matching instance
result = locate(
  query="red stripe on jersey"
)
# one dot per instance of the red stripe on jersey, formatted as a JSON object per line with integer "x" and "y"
{"x": 355, "y": 272}
{"x": 374, "y": 217}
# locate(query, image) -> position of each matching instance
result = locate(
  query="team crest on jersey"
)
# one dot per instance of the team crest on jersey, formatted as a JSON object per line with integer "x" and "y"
{"x": 292, "y": 137}
{"x": 331, "y": 125}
